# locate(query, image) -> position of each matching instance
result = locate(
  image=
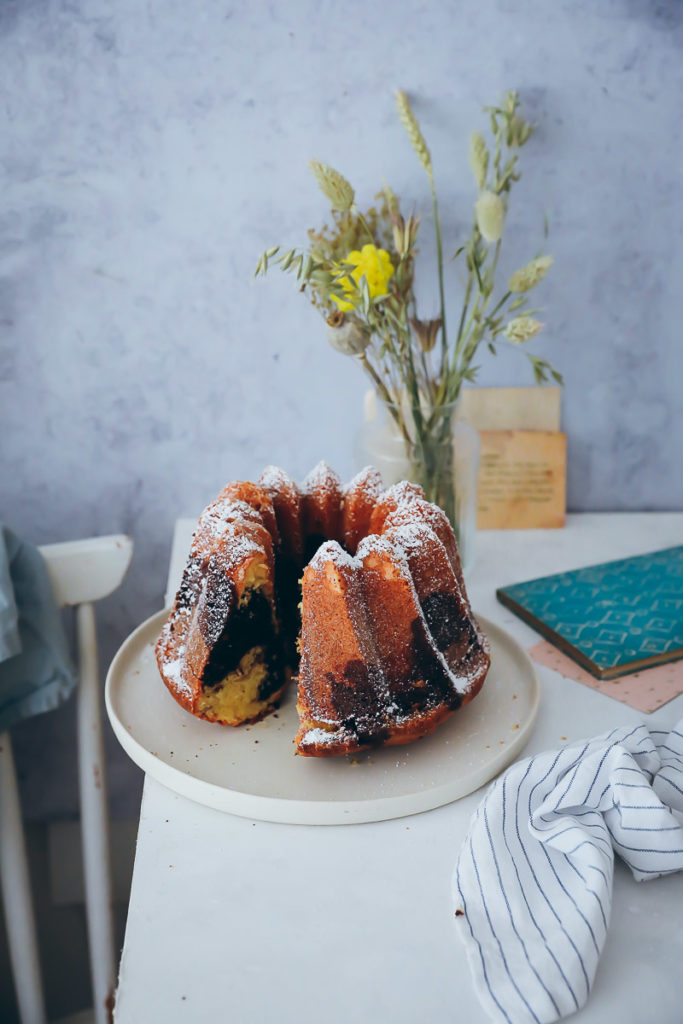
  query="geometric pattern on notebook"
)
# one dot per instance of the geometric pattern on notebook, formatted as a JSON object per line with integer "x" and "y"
{"x": 611, "y": 616}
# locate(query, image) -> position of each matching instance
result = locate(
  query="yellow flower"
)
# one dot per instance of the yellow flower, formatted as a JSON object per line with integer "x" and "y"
{"x": 371, "y": 263}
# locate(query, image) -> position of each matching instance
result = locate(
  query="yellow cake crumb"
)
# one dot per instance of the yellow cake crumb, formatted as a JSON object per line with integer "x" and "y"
{"x": 236, "y": 698}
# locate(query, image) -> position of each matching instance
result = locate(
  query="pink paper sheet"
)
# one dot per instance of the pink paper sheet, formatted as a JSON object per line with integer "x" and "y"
{"x": 646, "y": 690}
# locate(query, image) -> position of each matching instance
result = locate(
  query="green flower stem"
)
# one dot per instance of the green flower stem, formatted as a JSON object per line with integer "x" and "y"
{"x": 477, "y": 311}
{"x": 494, "y": 266}
{"x": 498, "y": 152}
{"x": 456, "y": 369}
{"x": 498, "y": 306}
{"x": 465, "y": 306}
{"x": 427, "y": 376}
{"x": 507, "y": 177}
{"x": 433, "y": 465}
{"x": 365, "y": 224}
{"x": 446, "y": 377}
{"x": 410, "y": 381}
{"x": 439, "y": 258}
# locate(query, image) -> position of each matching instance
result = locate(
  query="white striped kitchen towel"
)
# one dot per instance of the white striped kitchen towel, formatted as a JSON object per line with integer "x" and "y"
{"x": 533, "y": 882}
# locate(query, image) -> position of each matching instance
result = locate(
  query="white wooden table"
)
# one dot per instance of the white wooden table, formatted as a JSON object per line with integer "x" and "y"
{"x": 250, "y": 922}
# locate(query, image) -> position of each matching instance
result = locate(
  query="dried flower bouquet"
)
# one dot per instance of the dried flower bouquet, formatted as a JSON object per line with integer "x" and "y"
{"x": 359, "y": 272}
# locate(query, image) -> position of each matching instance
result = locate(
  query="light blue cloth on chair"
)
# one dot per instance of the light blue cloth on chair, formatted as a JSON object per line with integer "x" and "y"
{"x": 36, "y": 672}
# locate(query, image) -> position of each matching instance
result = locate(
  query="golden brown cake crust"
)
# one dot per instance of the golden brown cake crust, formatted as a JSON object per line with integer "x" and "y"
{"x": 286, "y": 499}
{"x": 360, "y": 497}
{"x": 257, "y": 498}
{"x": 321, "y": 496}
{"x": 400, "y": 494}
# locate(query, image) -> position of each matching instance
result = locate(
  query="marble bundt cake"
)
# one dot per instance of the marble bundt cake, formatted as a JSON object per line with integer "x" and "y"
{"x": 384, "y": 637}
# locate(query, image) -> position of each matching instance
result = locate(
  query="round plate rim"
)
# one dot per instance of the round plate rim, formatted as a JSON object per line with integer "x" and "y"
{"x": 285, "y": 810}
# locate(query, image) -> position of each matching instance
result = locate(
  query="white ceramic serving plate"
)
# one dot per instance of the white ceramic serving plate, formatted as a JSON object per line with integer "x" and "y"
{"x": 253, "y": 771}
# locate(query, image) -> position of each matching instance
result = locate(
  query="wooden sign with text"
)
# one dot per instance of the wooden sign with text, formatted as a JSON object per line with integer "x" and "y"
{"x": 522, "y": 479}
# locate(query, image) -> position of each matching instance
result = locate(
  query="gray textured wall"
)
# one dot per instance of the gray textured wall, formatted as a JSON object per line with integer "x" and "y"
{"x": 149, "y": 152}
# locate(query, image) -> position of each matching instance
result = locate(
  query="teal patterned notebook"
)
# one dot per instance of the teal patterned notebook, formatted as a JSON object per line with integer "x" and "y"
{"x": 613, "y": 618}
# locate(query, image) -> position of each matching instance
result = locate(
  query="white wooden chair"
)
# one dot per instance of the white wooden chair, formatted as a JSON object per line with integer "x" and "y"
{"x": 81, "y": 572}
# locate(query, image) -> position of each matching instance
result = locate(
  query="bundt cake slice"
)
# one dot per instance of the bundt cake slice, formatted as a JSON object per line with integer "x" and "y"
{"x": 420, "y": 686}
{"x": 220, "y": 651}
{"x": 341, "y": 693}
{"x": 452, "y": 628}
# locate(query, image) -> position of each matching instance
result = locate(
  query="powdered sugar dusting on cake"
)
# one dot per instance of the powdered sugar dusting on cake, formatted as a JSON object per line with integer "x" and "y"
{"x": 412, "y": 537}
{"x": 380, "y": 544}
{"x": 321, "y": 478}
{"x": 275, "y": 479}
{"x": 189, "y": 585}
{"x": 216, "y": 523}
{"x": 216, "y": 519}
{"x": 173, "y": 669}
{"x": 238, "y": 546}
{"x": 461, "y": 680}
{"x": 369, "y": 479}
{"x": 235, "y": 509}
{"x": 404, "y": 491}
{"x": 321, "y": 737}
{"x": 421, "y": 510}
{"x": 333, "y": 552}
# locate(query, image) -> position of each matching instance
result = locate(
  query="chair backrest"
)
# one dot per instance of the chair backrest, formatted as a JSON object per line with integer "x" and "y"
{"x": 81, "y": 572}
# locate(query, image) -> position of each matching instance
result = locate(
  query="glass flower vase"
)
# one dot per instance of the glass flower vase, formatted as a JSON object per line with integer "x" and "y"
{"x": 440, "y": 452}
